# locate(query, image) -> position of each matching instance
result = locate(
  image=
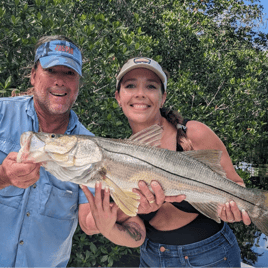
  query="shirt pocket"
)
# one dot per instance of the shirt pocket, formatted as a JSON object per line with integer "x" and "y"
{"x": 11, "y": 196}
{"x": 57, "y": 203}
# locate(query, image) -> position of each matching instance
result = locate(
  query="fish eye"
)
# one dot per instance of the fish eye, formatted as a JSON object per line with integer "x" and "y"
{"x": 52, "y": 136}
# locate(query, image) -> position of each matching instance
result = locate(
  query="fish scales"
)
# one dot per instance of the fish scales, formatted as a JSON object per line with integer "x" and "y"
{"x": 175, "y": 163}
{"x": 190, "y": 194}
{"x": 190, "y": 188}
{"x": 163, "y": 175}
{"x": 120, "y": 164}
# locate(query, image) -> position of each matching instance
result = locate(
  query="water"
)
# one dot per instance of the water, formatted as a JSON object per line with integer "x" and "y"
{"x": 262, "y": 249}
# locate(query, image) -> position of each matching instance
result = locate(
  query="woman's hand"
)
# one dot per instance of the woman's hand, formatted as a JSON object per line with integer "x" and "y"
{"x": 149, "y": 201}
{"x": 104, "y": 213}
{"x": 109, "y": 221}
{"x": 231, "y": 213}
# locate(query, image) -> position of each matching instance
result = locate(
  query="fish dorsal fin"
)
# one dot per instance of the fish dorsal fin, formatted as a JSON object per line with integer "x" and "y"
{"x": 148, "y": 136}
{"x": 126, "y": 200}
{"x": 210, "y": 158}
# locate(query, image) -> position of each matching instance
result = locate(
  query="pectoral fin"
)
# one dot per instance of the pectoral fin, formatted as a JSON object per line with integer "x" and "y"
{"x": 126, "y": 200}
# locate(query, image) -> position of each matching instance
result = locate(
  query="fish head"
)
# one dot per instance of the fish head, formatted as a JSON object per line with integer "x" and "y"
{"x": 42, "y": 147}
{"x": 65, "y": 150}
{"x": 71, "y": 150}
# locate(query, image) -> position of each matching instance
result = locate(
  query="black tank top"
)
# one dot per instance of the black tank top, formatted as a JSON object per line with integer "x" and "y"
{"x": 199, "y": 229}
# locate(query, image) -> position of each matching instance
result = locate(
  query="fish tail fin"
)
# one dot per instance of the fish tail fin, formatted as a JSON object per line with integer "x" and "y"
{"x": 261, "y": 221}
{"x": 126, "y": 200}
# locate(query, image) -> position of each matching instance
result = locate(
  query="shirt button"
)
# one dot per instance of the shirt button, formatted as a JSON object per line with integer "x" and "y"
{"x": 21, "y": 242}
{"x": 34, "y": 186}
{"x": 162, "y": 249}
{"x": 28, "y": 214}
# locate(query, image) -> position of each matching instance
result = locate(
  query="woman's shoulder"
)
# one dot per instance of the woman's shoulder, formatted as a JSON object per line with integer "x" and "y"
{"x": 196, "y": 128}
{"x": 200, "y": 134}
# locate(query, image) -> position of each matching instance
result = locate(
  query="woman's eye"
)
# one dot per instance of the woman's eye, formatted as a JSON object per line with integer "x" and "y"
{"x": 50, "y": 70}
{"x": 152, "y": 86}
{"x": 130, "y": 86}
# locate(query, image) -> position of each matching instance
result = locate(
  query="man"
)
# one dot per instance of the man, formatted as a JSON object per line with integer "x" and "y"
{"x": 38, "y": 213}
{"x": 39, "y": 216}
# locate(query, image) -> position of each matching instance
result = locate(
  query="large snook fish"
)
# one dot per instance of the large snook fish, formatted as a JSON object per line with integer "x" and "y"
{"x": 120, "y": 164}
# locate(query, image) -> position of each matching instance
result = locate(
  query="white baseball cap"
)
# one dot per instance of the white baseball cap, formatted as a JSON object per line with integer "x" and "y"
{"x": 141, "y": 62}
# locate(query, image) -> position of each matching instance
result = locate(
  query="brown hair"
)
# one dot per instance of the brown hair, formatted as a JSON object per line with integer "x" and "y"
{"x": 176, "y": 119}
{"x": 42, "y": 40}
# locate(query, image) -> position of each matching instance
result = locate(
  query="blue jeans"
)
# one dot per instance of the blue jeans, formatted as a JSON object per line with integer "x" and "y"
{"x": 219, "y": 250}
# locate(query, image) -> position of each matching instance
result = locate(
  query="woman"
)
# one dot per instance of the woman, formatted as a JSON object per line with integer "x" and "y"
{"x": 176, "y": 233}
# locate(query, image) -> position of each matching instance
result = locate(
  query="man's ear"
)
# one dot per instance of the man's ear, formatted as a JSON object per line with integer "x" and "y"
{"x": 33, "y": 75}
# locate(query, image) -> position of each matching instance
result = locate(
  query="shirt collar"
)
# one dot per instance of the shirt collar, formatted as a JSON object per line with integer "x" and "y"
{"x": 73, "y": 120}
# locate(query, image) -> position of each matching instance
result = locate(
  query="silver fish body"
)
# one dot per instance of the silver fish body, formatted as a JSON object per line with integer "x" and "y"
{"x": 120, "y": 164}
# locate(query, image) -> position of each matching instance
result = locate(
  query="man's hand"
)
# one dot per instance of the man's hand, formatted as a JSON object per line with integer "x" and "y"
{"x": 150, "y": 202}
{"x": 21, "y": 175}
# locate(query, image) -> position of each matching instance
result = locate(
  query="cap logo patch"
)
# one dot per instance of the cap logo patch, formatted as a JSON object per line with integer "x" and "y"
{"x": 142, "y": 60}
{"x": 64, "y": 49}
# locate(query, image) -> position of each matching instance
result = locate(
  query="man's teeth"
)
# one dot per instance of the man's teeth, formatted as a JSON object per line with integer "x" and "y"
{"x": 57, "y": 94}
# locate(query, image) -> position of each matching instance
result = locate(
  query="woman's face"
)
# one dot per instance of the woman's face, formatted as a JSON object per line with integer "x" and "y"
{"x": 140, "y": 96}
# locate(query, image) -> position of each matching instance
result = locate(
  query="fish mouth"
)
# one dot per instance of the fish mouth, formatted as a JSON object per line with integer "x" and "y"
{"x": 36, "y": 141}
{"x": 25, "y": 138}
{"x": 25, "y": 143}
{"x": 32, "y": 148}
{"x": 40, "y": 137}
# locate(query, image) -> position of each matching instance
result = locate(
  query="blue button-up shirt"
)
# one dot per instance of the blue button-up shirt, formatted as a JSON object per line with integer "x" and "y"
{"x": 36, "y": 224}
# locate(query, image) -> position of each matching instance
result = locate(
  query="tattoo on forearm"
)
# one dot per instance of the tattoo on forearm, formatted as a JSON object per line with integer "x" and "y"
{"x": 133, "y": 229}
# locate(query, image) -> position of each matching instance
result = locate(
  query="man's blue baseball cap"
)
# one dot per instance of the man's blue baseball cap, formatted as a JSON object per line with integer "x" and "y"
{"x": 59, "y": 52}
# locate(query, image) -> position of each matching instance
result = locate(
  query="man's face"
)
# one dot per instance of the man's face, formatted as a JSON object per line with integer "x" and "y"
{"x": 55, "y": 89}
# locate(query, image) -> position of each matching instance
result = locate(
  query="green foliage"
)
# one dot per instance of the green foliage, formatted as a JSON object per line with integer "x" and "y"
{"x": 96, "y": 251}
{"x": 217, "y": 75}
{"x": 246, "y": 235}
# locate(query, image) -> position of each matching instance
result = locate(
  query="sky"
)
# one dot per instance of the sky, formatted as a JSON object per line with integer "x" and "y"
{"x": 264, "y": 28}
